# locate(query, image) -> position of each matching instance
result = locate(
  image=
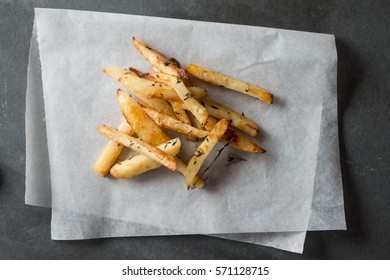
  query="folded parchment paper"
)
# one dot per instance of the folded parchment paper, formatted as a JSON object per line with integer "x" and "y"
{"x": 267, "y": 35}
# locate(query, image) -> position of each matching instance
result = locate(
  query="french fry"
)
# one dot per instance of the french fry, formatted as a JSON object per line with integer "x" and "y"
{"x": 136, "y": 72}
{"x": 220, "y": 111}
{"x": 217, "y": 79}
{"x": 140, "y": 163}
{"x": 165, "y": 92}
{"x": 191, "y": 103}
{"x": 147, "y": 129}
{"x": 181, "y": 115}
{"x": 234, "y": 138}
{"x": 116, "y": 72}
{"x": 197, "y": 92}
{"x": 155, "y": 69}
{"x": 111, "y": 151}
{"x": 161, "y": 62}
{"x": 168, "y": 100}
{"x": 174, "y": 124}
{"x": 143, "y": 126}
{"x": 204, "y": 150}
{"x": 182, "y": 168}
{"x": 139, "y": 146}
{"x": 193, "y": 120}
{"x": 135, "y": 82}
{"x": 141, "y": 87}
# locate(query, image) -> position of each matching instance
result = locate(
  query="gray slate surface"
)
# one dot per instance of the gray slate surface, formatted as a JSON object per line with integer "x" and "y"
{"x": 362, "y": 36}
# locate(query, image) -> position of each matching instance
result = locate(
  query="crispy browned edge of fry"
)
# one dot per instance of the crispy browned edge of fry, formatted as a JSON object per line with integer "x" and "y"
{"x": 160, "y": 61}
{"x": 254, "y": 91}
{"x": 139, "y": 146}
{"x": 234, "y": 138}
{"x": 111, "y": 151}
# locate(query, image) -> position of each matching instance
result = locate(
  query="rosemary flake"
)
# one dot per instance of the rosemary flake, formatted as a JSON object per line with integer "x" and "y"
{"x": 187, "y": 95}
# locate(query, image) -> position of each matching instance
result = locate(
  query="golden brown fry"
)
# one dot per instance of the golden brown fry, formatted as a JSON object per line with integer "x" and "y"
{"x": 161, "y": 62}
{"x": 147, "y": 129}
{"x": 136, "y": 72}
{"x": 174, "y": 124}
{"x": 155, "y": 69}
{"x": 143, "y": 126}
{"x": 141, "y": 87}
{"x": 162, "y": 91}
{"x": 116, "y": 72}
{"x": 197, "y": 92}
{"x": 204, "y": 150}
{"x": 139, "y": 146}
{"x": 136, "y": 81}
{"x": 194, "y": 121}
{"x": 140, "y": 163}
{"x": 217, "y": 79}
{"x": 182, "y": 167}
{"x": 234, "y": 138}
{"x": 220, "y": 111}
{"x": 181, "y": 115}
{"x": 191, "y": 103}
{"x": 111, "y": 151}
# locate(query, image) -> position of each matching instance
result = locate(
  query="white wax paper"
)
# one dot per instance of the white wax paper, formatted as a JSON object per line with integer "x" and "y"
{"x": 336, "y": 127}
{"x": 70, "y": 225}
{"x": 267, "y": 193}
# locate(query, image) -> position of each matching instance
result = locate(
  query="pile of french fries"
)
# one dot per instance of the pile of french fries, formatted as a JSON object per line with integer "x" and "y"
{"x": 169, "y": 100}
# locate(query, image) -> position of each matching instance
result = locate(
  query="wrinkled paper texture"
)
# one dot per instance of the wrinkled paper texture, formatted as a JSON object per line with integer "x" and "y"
{"x": 70, "y": 225}
{"x": 277, "y": 39}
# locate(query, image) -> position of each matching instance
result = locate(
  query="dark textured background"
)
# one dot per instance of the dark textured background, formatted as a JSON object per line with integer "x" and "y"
{"x": 362, "y": 35}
